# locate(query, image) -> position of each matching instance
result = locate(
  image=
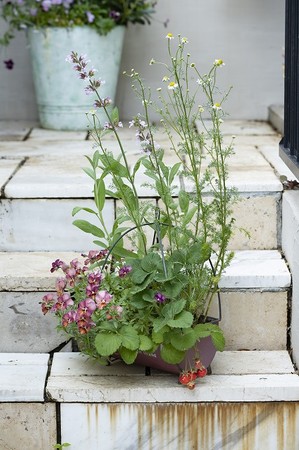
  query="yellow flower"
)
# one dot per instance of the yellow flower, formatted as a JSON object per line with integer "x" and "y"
{"x": 217, "y": 106}
{"x": 172, "y": 85}
{"x": 219, "y": 62}
{"x": 169, "y": 36}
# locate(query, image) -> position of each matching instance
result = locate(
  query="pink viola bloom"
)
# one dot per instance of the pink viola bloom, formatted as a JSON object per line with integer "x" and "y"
{"x": 103, "y": 298}
{"x": 95, "y": 255}
{"x": 60, "y": 285}
{"x": 91, "y": 290}
{"x": 63, "y": 302}
{"x": 86, "y": 308}
{"x": 71, "y": 274}
{"x": 68, "y": 318}
{"x": 84, "y": 325}
{"x": 95, "y": 278}
{"x": 48, "y": 301}
{"x": 58, "y": 264}
{"x": 124, "y": 270}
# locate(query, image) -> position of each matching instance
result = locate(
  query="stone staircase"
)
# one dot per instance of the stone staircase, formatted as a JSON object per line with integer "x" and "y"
{"x": 41, "y": 180}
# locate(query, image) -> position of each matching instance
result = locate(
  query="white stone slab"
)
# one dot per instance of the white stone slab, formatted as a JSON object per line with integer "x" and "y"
{"x": 257, "y": 362}
{"x": 272, "y": 156}
{"x": 242, "y": 127}
{"x": 22, "y": 271}
{"x": 54, "y": 135}
{"x": 46, "y": 148}
{"x": 254, "y": 319}
{"x": 27, "y": 426}
{"x": 15, "y": 130}
{"x": 51, "y": 177}
{"x": 256, "y": 269}
{"x": 7, "y": 167}
{"x": 47, "y": 224}
{"x": 164, "y": 388}
{"x": 22, "y": 377}
{"x": 25, "y": 328}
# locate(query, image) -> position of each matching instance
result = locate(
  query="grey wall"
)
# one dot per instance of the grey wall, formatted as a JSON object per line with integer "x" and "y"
{"x": 247, "y": 34}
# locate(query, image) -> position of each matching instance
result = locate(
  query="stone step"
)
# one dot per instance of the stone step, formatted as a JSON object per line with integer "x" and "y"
{"x": 41, "y": 181}
{"x": 249, "y": 398}
{"x": 254, "y": 301}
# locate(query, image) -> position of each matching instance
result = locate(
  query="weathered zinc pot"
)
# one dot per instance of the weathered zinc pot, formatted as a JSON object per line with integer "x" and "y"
{"x": 60, "y": 98}
{"x": 204, "y": 350}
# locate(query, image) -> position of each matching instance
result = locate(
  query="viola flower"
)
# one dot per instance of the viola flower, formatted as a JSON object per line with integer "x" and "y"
{"x": 124, "y": 270}
{"x": 95, "y": 278}
{"x": 60, "y": 285}
{"x": 91, "y": 290}
{"x": 9, "y": 64}
{"x": 114, "y": 15}
{"x": 84, "y": 325}
{"x": 63, "y": 302}
{"x": 160, "y": 297}
{"x": 102, "y": 298}
{"x": 48, "y": 302}
{"x": 71, "y": 274}
{"x": 68, "y": 318}
{"x": 58, "y": 264}
{"x": 86, "y": 308}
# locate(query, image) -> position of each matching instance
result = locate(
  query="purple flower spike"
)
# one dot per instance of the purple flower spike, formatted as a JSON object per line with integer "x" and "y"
{"x": 90, "y": 17}
{"x": 160, "y": 297}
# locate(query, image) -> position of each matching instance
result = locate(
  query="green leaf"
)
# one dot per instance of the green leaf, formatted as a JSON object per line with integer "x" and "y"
{"x": 170, "y": 310}
{"x": 130, "y": 337}
{"x": 183, "y": 340}
{"x": 158, "y": 336}
{"x": 218, "y": 340}
{"x": 138, "y": 276}
{"x": 182, "y": 320}
{"x": 170, "y": 354}
{"x": 79, "y": 208}
{"x": 114, "y": 115}
{"x": 151, "y": 262}
{"x": 99, "y": 193}
{"x": 198, "y": 253}
{"x": 189, "y": 216}
{"x": 107, "y": 343}
{"x": 174, "y": 170}
{"x": 89, "y": 228}
{"x": 184, "y": 201}
{"x": 90, "y": 172}
{"x": 100, "y": 243}
{"x": 146, "y": 343}
{"x": 159, "y": 324}
{"x": 128, "y": 356}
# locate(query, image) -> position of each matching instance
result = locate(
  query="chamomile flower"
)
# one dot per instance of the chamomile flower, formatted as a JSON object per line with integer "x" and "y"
{"x": 164, "y": 79}
{"x": 172, "y": 85}
{"x": 169, "y": 36}
{"x": 217, "y": 106}
{"x": 219, "y": 62}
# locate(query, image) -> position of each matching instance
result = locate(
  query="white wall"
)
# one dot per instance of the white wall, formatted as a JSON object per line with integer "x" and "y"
{"x": 247, "y": 34}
